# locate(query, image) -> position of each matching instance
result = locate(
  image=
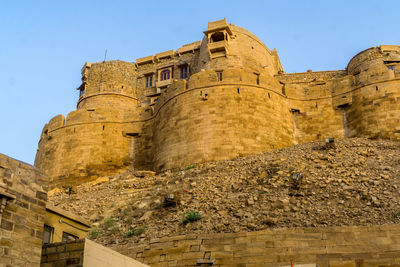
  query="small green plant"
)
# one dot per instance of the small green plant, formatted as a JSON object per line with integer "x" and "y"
{"x": 134, "y": 232}
{"x": 190, "y": 167}
{"x": 191, "y": 216}
{"x": 108, "y": 223}
{"x": 95, "y": 233}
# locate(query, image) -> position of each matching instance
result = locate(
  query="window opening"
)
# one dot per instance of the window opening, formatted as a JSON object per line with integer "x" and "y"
{"x": 81, "y": 91}
{"x": 376, "y": 88}
{"x": 217, "y": 36}
{"x": 149, "y": 81}
{"x": 238, "y": 90}
{"x": 47, "y": 234}
{"x": 184, "y": 71}
{"x": 165, "y": 75}
{"x": 258, "y": 78}
{"x": 68, "y": 237}
{"x": 219, "y": 75}
{"x": 391, "y": 67}
{"x": 269, "y": 96}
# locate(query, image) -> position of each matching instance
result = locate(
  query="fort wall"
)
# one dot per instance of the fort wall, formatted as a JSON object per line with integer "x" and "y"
{"x": 216, "y": 120}
{"x": 350, "y": 246}
{"x": 311, "y": 100}
{"x": 375, "y": 108}
{"x": 86, "y": 145}
{"x": 220, "y": 98}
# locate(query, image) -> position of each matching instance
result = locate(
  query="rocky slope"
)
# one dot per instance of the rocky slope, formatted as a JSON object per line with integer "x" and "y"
{"x": 356, "y": 182}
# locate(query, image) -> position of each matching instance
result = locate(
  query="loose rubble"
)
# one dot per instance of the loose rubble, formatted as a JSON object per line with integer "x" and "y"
{"x": 354, "y": 182}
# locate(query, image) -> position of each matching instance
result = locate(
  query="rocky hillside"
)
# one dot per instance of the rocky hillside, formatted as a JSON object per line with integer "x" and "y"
{"x": 356, "y": 182}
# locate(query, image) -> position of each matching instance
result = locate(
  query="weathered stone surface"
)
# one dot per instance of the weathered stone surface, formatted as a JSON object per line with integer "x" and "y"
{"x": 23, "y": 187}
{"x": 223, "y": 97}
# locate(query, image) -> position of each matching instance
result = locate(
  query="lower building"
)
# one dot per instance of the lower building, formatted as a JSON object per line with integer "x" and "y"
{"x": 84, "y": 253}
{"x": 61, "y": 225}
{"x": 23, "y": 206}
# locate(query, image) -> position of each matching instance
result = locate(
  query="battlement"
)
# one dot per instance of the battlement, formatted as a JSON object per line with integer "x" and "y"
{"x": 219, "y": 98}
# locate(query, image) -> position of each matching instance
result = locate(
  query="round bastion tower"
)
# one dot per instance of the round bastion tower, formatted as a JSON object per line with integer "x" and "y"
{"x": 90, "y": 141}
{"x": 375, "y": 108}
{"x": 223, "y": 97}
{"x": 232, "y": 106}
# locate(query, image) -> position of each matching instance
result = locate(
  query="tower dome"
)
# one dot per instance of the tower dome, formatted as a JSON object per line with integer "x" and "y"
{"x": 229, "y": 46}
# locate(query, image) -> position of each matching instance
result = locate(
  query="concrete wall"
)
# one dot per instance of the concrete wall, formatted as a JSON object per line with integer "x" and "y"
{"x": 96, "y": 255}
{"x": 84, "y": 253}
{"x": 21, "y": 220}
{"x": 328, "y": 246}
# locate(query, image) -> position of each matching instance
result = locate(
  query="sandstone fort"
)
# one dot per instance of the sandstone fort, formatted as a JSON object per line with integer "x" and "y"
{"x": 225, "y": 96}
{"x": 216, "y": 129}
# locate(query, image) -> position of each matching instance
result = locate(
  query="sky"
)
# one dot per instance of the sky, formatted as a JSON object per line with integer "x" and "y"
{"x": 44, "y": 44}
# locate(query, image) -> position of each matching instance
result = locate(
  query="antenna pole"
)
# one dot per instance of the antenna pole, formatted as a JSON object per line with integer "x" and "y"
{"x": 105, "y": 55}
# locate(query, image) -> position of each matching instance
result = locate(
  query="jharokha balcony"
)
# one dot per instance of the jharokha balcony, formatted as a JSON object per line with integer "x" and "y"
{"x": 218, "y": 49}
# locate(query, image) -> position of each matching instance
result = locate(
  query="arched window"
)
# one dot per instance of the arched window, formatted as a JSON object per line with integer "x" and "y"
{"x": 165, "y": 75}
{"x": 217, "y": 36}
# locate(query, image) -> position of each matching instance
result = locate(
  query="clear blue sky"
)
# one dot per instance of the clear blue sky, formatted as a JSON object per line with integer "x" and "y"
{"x": 43, "y": 44}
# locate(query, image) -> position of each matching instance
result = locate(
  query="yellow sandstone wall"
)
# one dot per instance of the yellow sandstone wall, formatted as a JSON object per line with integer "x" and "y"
{"x": 216, "y": 120}
{"x": 92, "y": 140}
{"x": 122, "y": 122}
{"x": 352, "y": 246}
{"x": 22, "y": 209}
{"x": 375, "y": 111}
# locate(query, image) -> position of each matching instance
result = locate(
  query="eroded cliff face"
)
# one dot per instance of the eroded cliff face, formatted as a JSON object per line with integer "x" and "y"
{"x": 223, "y": 97}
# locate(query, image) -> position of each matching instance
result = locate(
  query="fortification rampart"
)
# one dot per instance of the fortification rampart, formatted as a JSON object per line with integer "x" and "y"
{"x": 88, "y": 144}
{"x": 327, "y": 247}
{"x": 191, "y": 125}
{"x": 220, "y": 98}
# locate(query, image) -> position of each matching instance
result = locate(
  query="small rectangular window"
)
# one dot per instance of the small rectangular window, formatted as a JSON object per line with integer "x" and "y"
{"x": 391, "y": 67}
{"x": 47, "y": 234}
{"x": 184, "y": 71}
{"x": 219, "y": 75}
{"x": 81, "y": 92}
{"x": 68, "y": 237}
{"x": 165, "y": 75}
{"x": 149, "y": 81}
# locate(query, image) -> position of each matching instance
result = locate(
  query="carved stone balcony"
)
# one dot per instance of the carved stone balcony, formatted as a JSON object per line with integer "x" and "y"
{"x": 163, "y": 83}
{"x": 218, "y": 49}
{"x": 152, "y": 91}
